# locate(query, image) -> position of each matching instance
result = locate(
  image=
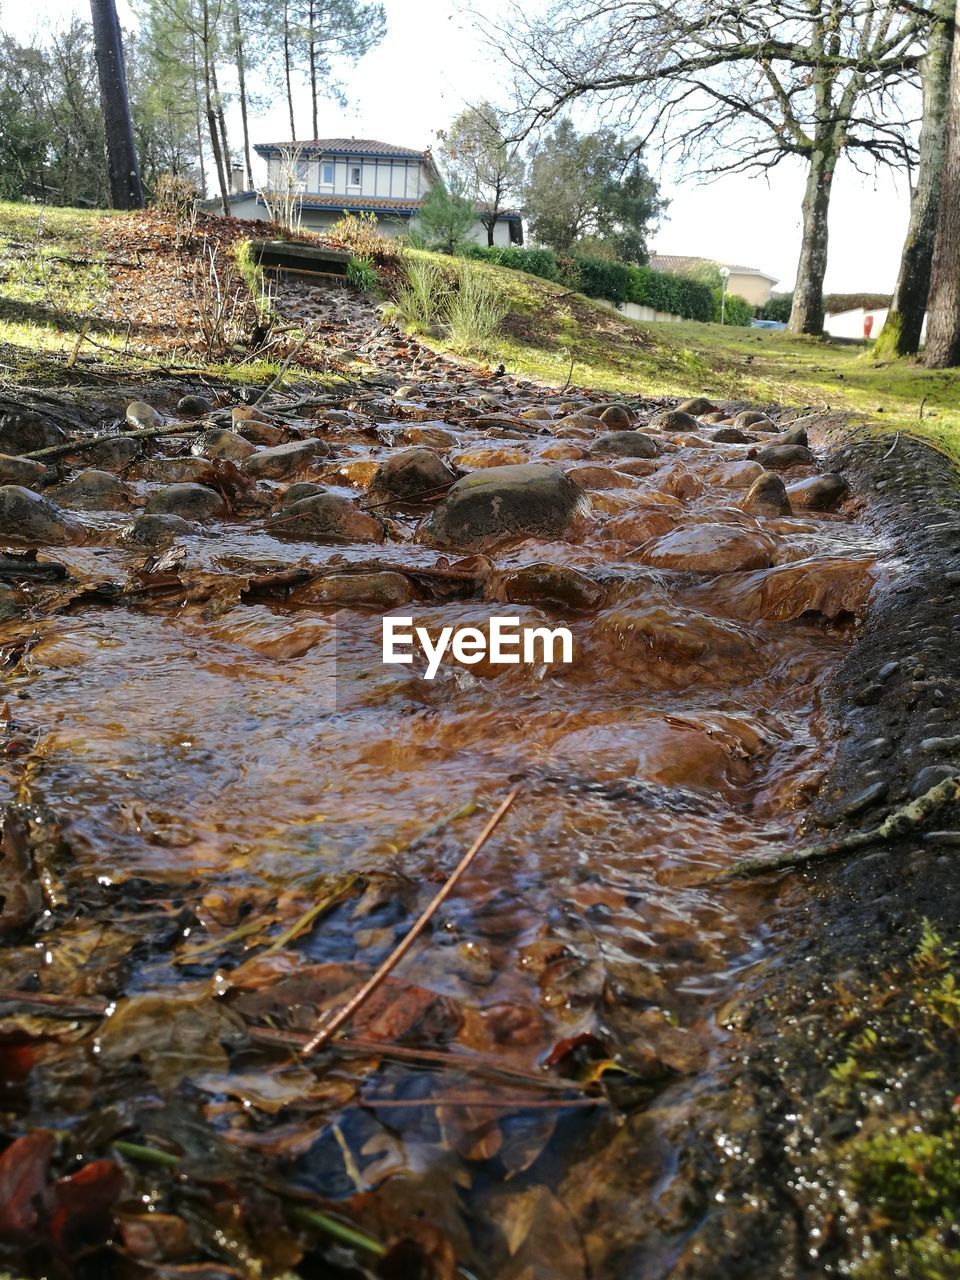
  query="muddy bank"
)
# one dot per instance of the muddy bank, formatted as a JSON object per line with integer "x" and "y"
{"x": 838, "y": 1151}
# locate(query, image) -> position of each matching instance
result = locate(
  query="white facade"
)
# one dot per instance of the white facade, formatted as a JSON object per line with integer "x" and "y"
{"x": 850, "y": 324}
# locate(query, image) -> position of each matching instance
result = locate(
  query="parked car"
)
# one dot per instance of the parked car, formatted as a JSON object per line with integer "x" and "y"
{"x": 767, "y": 324}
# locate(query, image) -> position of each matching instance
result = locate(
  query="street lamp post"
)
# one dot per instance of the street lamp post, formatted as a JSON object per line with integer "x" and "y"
{"x": 724, "y": 277}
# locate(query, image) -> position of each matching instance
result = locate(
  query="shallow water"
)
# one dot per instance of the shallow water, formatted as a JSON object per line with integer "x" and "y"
{"x": 230, "y": 756}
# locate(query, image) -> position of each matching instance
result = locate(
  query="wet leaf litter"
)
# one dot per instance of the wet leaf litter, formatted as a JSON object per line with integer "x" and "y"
{"x": 223, "y": 1049}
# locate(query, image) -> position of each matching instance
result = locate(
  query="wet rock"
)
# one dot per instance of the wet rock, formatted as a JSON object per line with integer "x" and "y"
{"x": 368, "y": 590}
{"x": 594, "y": 476}
{"x": 284, "y": 460}
{"x": 794, "y": 435}
{"x": 27, "y": 517}
{"x": 484, "y": 457}
{"x": 732, "y": 435}
{"x": 617, "y": 417}
{"x": 26, "y": 431}
{"x": 625, "y": 444}
{"x": 675, "y": 420}
{"x": 326, "y": 517}
{"x": 258, "y": 432}
{"x": 749, "y": 418}
{"x": 561, "y": 452}
{"x": 678, "y": 482}
{"x": 95, "y": 491}
{"x": 636, "y": 466}
{"x": 819, "y": 493}
{"x": 411, "y": 475}
{"x": 194, "y": 406}
{"x": 673, "y": 647}
{"x": 433, "y": 437}
{"x": 735, "y": 475}
{"x": 767, "y": 496}
{"x": 530, "y": 500}
{"x": 928, "y": 777}
{"x": 711, "y": 548}
{"x": 140, "y": 415}
{"x": 831, "y": 585}
{"x": 22, "y": 471}
{"x": 189, "y": 501}
{"x": 302, "y": 489}
{"x": 944, "y": 746}
{"x": 173, "y": 470}
{"x": 113, "y": 455}
{"x": 154, "y": 530}
{"x": 698, "y": 406}
{"x": 635, "y": 527}
{"x": 779, "y": 457}
{"x": 575, "y": 421}
{"x": 536, "y": 414}
{"x": 221, "y": 443}
{"x": 548, "y": 584}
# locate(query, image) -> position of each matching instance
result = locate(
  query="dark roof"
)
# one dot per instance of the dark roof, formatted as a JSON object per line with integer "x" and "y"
{"x": 344, "y": 147}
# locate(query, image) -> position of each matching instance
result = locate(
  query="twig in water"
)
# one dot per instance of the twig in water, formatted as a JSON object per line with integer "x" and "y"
{"x": 899, "y": 823}
{"x": 283, "y": 369}
{"x": 326, "y": 1032}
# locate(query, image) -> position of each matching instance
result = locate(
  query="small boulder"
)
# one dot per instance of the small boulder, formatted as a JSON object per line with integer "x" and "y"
{"x": 112, "y": 455}
{"x": 189, "y": 501}
{"x": 617, "y": 417}
{"x": 749, "y": 417}
{"x": 675, "y": 420}
{"x": 625, "y": 444}
{"x": 27, "y": 517}
{"x": 732, "y": 435}
{"x": 95, "y": 491}
{"x": 386, "y": 590}
{"x": 711, "y": 548}
{"x": 155, "y": 530}
{"x": 194, "y": 406}
{"x": 411, "y": 475}
{"x": 284, "y": 460}
{"x": 221, "y": 443}
{"x": 173, "y": 470}
{"x": 258, "y": 432}
{"x": 550, "y": 584}
{"x": 432, "y": 437}
{"x": 140, "y": 415}
{"x": 536, "y": 414}
{"x": 697, "y": 407}
{"x": 326, "y": 517}
{"x": 527, "y": 500}
{"x": 819, "y": 493}
{"x": 301, "y": 489}
{"x": 735, "y": 475}
{"x": 23, "y": 471}
{"x": 767, "y": 496}
{"x": 794, "y": 435}
{"x": 779, "y": 457}
{"x": 25, "y": 431}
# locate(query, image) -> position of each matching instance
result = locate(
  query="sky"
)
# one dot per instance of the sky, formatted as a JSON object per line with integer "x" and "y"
{"x": 433, "y": 62}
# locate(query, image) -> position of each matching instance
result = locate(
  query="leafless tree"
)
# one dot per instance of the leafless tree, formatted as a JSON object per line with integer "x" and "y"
{"x": 736, "y": 87}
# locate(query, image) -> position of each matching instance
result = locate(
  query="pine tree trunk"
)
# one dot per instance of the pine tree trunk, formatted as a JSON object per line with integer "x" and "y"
{"x": 286, "y": 68}
{"x": 943, "y": 309}
{"x": 126, "y": 191}
{"x": 313, "y": 65}
{"x": 806, "y": 315}
{"x": 222, "y": 127}
{"x": 242, "y": 81}
{"x": 212, "y": 123}
{"x": 901, "y": 332}
{"x": 199, "y": 115}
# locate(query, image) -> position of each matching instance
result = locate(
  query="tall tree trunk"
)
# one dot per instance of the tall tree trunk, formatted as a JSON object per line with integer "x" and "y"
{"x": 199, "y": 115}
{"x": 126, "y": 191}
{"x": 221, "y": 124}
{"x": 212, "y": 123}
{"x": 313, "y": 64}
{"x": 242, "y": 79}
{"x": 806, "y": 315}
{"x": 286, "y": 67}
{"x": 943, "y": 311}
{"x": 900, "y": 335}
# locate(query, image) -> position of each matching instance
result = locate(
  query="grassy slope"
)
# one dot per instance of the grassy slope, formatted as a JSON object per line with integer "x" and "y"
{"x": 548, "y": 325}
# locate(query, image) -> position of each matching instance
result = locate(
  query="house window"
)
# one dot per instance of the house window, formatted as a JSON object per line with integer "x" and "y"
{"x": 327, "y": 178}
{"x": 354, "y": 175}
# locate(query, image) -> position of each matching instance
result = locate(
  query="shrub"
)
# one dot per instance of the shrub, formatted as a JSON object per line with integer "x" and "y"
{"x": 360, "y": 234}
{"x": 602, "y": 278}
{"x": 175, "y": 196}
{"x": 255, "y": 280}
{"x": 420, "y": 296}
{"x": 534, "y": 262}
{"x": 473, "y": 311}
{"x": 778, "y": 308}
{"x": 362, "y": 274}
{"x": 736, "y": 310}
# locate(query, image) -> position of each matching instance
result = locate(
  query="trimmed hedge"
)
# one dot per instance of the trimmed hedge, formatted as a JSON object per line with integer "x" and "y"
{"x": 602, "y": 278}
{"x": 736, "y": 310}
{"x": 535, "y": 262}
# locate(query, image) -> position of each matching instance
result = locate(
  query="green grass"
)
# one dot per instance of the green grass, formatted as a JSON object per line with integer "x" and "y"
{"x": 548, "y": 329}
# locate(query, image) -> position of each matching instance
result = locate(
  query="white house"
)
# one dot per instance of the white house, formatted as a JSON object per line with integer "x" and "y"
{"x": 856, "y": 323}
{"x": 334, "y": 176}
